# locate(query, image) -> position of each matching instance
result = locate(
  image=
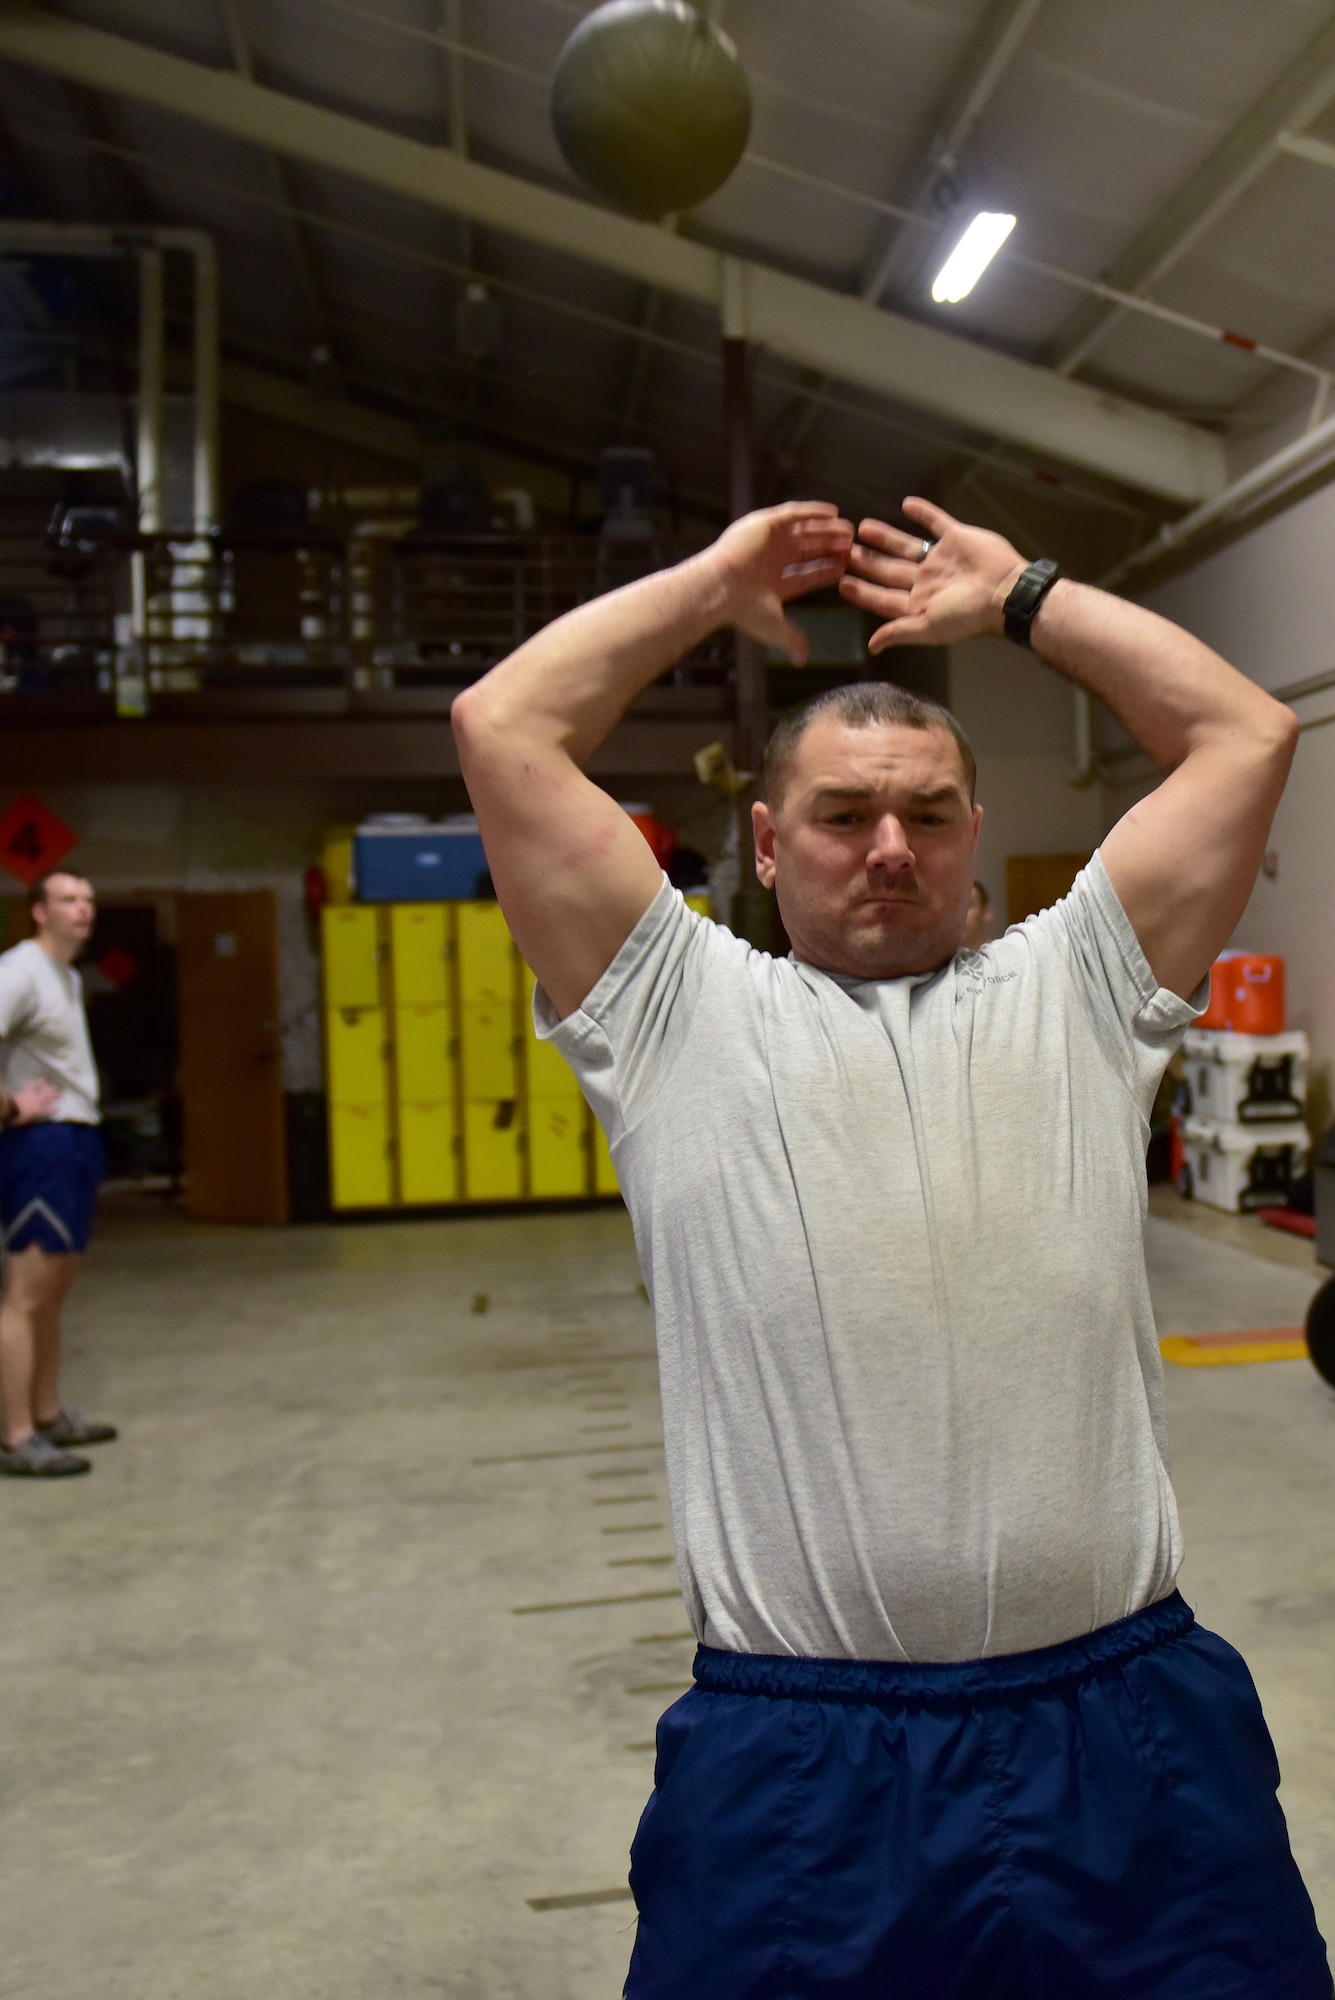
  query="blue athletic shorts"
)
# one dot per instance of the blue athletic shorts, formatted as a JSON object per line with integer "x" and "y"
{"x": 1091, "y": 1821}
{"x": 48, "y": 1185}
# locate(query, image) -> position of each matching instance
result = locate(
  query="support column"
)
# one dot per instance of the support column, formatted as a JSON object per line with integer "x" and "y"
{"x": 206, "y": 443}
{"x": 753, "y": 907}
{"x": 152, "y": 364}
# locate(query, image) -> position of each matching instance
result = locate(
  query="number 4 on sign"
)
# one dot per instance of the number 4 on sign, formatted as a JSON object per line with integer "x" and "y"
{"x": 32, "y": 840}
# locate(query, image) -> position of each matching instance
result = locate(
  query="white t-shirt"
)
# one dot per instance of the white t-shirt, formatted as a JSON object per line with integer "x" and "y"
{"x": 893, "y": 1235}
{"x": 44, "y": 1031}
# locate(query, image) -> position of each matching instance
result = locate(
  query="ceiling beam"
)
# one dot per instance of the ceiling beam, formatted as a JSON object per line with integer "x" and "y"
{"x": 1296, "y": 96}
{"x": 903, "y": 249}
{"x": 970, "y": 90}
{"x": 810, "y": 324}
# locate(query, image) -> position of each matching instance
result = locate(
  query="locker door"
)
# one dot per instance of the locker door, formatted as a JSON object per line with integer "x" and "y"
{"x": 420, "y": 944}
{"x": 428, "y": 1152}
{"x": 358, "y": 1073}
{"x": 492, "y": 1161}
{"x": 487, "y": 1050}
{"x": 359, "y": 1161}
{"x": 351, "y": 956}
{"x": 547, "y": 1071}
{"x": 424, "y": 1053}
{"x": 487, "y": 957}
{"x": 558, "y": 1159}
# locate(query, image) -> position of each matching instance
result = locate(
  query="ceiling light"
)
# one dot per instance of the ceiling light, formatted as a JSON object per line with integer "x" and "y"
{"x": 970, "y": 258}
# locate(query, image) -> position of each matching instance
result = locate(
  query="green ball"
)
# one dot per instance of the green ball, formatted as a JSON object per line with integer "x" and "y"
{"x": 651, "y": 105}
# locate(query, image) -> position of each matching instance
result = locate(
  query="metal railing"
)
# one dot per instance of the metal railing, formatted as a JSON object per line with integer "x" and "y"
{"x": 131, "y": 617}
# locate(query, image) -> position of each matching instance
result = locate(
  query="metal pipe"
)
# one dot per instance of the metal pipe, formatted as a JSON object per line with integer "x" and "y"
{"x": 152, "y": 363}
{"x": 1083, "y": 769}
{"x": 1294, "y": 459}
{"x": 1131, "y": 302}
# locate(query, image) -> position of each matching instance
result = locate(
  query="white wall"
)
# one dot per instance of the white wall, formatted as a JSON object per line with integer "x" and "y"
{"x": 1018, "y": 715}
{"x": 1267, "y": 602}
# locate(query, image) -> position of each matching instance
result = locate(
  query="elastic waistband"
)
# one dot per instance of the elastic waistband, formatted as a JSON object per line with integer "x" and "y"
{"x": 931, "y": 1682}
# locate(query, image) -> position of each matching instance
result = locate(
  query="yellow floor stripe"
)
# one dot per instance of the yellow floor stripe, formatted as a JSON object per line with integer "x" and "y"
{"x": 1214, "y": 1350}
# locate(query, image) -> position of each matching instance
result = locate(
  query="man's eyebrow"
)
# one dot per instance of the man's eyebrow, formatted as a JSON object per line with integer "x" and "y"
{"x": 938, "y": 795}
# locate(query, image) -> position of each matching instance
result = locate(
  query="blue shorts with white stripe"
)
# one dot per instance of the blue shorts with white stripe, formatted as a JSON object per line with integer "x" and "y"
{"x": 49, "y": 1175}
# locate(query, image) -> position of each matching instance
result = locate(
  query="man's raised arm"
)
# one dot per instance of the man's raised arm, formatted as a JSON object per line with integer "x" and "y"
{"x": 1183, "y": 861}
{"x": 572, "y": 872}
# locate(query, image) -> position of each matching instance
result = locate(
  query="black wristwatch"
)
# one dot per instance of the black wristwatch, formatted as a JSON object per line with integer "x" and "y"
{"x": 1021, "y": 607}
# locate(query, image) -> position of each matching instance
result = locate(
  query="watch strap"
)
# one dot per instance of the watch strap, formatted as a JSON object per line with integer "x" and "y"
{"x": 1028, "y": 592}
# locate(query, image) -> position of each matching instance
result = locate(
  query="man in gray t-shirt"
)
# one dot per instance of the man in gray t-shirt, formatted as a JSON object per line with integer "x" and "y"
{"x": 953, "y": 1731}
{"x": 50, "y": 1166}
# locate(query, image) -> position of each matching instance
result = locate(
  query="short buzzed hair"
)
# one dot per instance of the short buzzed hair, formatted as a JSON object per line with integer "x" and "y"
{"x": 861, "y": 704}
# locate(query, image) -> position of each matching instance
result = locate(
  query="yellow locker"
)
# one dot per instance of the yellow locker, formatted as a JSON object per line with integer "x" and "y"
{"x": 351, "y": 956}
{"x": 420, "y": 944}
{"x": 604, "y": 1173}
{"x": 428, "y": 1153}
{"x": 336, "y": 862}
{"x": 547, "y": 1071}
{"x": 487, "y": 1050}
{"x": 487, "y": 957}
{"x": 424, "y": 1053}
{"x": 359, "y": 1155}
{"x": 558, "y": 1156}
{"x": 492, "y": 1160}
{"x": 355, "y": 1041}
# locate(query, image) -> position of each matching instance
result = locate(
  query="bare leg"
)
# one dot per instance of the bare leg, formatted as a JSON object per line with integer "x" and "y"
{"x": 35, "y": 1285}
{"x": 46, "y": 1329}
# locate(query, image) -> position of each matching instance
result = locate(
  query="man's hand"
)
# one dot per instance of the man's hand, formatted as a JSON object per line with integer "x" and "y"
{"x": 957, "y": 592}
{"x": 767, "y": 558}
{"x": 572, "y": 872}
{"x": 35, "y": 1102}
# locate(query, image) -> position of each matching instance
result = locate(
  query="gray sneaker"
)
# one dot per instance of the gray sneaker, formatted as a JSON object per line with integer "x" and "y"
{"x": 72, "y": 1427}
{"x": 38, "y": 1458}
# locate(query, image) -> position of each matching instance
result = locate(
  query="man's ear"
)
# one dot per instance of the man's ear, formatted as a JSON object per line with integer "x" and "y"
{"x": 762, "y": 832}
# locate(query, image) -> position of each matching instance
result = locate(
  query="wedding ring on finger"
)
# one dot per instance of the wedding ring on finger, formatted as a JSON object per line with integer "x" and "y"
{"x": 924, "y": 550}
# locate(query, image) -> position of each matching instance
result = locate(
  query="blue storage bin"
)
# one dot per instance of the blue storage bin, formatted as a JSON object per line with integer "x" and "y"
{"x": 428, "y": 864}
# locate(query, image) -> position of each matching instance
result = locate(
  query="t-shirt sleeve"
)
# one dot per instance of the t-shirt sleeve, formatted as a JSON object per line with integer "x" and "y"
{"x": 624, "y": 1040}
{"x": 1139, "y": 1022}
{"x": 16, "y": 993}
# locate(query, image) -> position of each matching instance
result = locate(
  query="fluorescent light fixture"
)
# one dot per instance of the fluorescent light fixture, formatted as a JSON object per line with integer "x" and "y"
{"x": 970, "y": 258}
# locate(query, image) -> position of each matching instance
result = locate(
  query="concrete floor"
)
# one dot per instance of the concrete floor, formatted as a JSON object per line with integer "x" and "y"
{"x": 338, "y": 1678}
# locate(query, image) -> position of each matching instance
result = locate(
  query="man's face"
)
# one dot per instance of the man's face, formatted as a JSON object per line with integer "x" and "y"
{"x": 870, "y": 850}
{"x": 69, "y": 912}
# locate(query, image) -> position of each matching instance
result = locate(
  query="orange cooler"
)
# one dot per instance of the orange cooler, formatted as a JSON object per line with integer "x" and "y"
{"x": 1255, "y": 993}
{"x": 1216, "y": 1014}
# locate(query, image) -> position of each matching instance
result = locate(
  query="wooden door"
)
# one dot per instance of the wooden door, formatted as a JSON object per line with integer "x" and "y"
{"x": 231, "y": 1058}
{"x": 1035, "y": 881}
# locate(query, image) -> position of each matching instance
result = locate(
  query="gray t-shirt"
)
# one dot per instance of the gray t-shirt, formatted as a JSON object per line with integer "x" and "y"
{"x": 892, "y": 1231}
{"x": 44, "y": 1032}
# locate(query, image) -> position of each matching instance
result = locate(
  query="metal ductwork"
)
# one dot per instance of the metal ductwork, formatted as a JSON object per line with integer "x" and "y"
{"x": 85, "y": 426}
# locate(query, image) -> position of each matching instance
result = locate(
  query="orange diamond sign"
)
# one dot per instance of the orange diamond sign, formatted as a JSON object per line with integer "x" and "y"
{"x": 32, "y": 840}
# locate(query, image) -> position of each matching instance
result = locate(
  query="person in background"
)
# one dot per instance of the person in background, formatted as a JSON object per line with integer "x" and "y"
{"x": 978, "y": 923}
{"x": 50, "y": 1165}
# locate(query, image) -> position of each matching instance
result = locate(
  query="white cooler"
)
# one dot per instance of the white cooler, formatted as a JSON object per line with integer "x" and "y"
{"x": 1240, "y": 1167}
{"x": 1245, "y": 1079}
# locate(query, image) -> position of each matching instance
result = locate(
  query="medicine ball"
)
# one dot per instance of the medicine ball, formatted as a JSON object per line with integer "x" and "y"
{"x": 1321, "y": 1331}
{"x": 651, "y": 105}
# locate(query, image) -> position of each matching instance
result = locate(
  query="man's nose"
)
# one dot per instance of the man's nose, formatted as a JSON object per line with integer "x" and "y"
{"x": 890, "y": 847}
